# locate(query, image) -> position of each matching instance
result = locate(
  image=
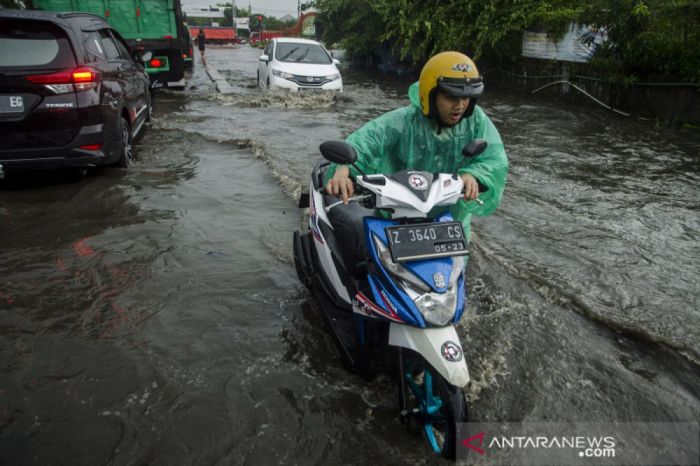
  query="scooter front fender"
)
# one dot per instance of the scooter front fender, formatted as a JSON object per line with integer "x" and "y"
{"x": 439, "y": 346}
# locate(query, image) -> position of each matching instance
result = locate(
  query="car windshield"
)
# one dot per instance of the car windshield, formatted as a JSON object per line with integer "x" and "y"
{"x": 35, "y": 45}
{"x": 297, "y": 52}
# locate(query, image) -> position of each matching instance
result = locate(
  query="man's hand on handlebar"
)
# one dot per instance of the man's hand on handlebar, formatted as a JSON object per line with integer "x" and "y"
{"x": 471, "y": 187}
{"x": 341, "y": 184}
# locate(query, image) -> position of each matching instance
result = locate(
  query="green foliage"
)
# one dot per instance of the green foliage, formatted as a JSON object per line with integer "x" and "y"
{"x": 356, "y": 25}
{"x": 418, "y": 29}
{"x": 269, "y": 23}
{"x": 646, "y": 37}
{"x": 273, "y": 24}
{"x": 228, "y": 17}
{"x": 649, "y": 38}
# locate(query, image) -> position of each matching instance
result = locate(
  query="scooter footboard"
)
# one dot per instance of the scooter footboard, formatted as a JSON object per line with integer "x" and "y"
{"x": 439, "y": 346}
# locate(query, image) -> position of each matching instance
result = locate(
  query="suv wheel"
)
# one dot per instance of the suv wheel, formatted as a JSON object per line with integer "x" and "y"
{"x": 126, "y": 152}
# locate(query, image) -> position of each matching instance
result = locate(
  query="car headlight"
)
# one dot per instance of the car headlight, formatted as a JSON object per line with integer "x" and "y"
{"x": 332, "y": 77}
{"x": 282, "y": 74}
{"x": 437, "y": 308}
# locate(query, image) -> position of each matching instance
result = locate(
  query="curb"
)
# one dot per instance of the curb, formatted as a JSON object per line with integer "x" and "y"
{"x": 221, "y": 84}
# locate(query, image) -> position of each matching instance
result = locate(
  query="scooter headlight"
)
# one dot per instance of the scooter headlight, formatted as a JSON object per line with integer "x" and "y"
{"x": 437, "y": 309}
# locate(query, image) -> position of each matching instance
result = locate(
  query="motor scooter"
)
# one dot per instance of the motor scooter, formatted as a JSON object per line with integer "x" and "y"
{"x": 388, "y": 273}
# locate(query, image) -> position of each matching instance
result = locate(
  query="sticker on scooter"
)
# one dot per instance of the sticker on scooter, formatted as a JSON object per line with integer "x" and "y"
{"x": 418, "y": 182}
{"x": 439, "y": 280}
{"x": 451, "y": 351}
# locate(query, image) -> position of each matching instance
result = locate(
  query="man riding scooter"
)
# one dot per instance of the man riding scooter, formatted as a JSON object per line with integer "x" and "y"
{"x": 428, "y": 135}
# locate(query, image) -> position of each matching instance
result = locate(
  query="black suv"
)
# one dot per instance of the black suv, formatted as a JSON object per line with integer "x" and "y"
{"x": 71, "y": 92}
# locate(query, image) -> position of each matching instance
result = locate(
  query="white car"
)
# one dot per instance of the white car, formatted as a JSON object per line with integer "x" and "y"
{"x": 298, "y": 64}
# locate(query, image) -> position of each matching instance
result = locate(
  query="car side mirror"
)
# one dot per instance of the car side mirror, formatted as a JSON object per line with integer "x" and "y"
{"x": 336, "y": 61}
{"x": 264, "y": 58}
{"x": 146, "y": 57}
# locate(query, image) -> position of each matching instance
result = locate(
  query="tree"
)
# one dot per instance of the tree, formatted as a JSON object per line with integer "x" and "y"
{"x": 228, "y": 17}
{"x": 646, "y": 37}
{"x": 242, "y": 12}
{"x": 357, "y": 26}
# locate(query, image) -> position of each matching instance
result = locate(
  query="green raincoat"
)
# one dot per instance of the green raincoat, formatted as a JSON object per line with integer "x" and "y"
{"x": 405, "y": 139}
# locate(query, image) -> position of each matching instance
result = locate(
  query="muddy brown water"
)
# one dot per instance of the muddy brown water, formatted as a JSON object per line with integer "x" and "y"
{"x": 153, "y": 316}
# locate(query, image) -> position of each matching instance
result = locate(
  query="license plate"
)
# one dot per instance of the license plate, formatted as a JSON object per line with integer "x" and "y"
{"x": 426, "y": 241}
{"x": 11, "y": 104}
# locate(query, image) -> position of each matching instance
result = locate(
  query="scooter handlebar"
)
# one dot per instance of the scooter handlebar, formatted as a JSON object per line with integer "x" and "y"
{"x": 350, "y": 199}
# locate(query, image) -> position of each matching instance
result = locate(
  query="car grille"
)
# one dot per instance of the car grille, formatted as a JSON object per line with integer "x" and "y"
{"x": 314, "y": 81}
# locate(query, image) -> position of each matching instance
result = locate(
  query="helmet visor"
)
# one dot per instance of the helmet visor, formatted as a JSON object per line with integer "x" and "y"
{"x": 461, "y": 87}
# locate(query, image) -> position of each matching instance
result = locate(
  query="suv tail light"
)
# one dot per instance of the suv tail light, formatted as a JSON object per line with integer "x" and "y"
{"x": 155, "y": 63}
{"x": 78, "y": 79}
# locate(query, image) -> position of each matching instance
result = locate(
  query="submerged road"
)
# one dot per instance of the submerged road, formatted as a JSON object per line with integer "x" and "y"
{"x": 153, "y": 316}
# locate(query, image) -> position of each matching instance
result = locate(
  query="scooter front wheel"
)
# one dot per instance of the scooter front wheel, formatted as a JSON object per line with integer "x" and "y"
{"x": 438, "y": 405}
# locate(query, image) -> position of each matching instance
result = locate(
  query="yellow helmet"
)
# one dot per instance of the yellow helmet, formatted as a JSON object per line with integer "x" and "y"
{"x": 452, "y": 73}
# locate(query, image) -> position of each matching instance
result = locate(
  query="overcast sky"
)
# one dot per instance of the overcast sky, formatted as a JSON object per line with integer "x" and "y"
{"x": 277, "y": 8}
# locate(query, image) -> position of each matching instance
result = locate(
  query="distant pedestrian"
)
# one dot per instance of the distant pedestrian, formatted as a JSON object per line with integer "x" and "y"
{"x": 201, "y": 40}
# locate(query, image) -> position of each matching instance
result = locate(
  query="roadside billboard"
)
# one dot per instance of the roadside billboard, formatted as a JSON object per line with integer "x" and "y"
{"x": 242, "y": 23}
{"x": 204, "y": 13}
{"x": 309, "y": 27}
{"x": 578, "y": 44}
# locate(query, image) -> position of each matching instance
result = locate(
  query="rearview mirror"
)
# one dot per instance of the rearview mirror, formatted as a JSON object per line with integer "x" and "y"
{"x": 474, "y": 148}
{"x": 264, "y": 58}
{"x": 338, "y": 152}
{"x": 146, "y": 57}
{"x": 336, "y": 61}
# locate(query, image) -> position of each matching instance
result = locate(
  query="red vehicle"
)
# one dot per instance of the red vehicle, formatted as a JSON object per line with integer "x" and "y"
{"x": 216, "y": 35}
{"x": 266, "y": 35}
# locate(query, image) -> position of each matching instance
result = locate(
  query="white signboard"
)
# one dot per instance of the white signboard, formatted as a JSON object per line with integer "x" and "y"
{"x": 242, "y": 23}
{"x": 309, "y": 28}
{"x": 204, "y": 13}
{"x": 578, "y": 44}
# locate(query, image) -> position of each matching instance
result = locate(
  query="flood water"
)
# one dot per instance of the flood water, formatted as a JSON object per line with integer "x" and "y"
{"x": 153, "y": 316}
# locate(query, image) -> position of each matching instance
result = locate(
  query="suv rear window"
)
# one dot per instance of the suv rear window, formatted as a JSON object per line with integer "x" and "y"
{"x": 34, "y": 44}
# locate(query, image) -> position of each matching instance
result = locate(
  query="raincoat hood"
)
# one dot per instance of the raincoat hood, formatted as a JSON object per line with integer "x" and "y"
{"x": 406, "y": 139}
{"x": 413, "y": 95}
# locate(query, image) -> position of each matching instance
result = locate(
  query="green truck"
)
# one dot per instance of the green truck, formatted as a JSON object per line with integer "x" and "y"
{"x": 154, "y": 26}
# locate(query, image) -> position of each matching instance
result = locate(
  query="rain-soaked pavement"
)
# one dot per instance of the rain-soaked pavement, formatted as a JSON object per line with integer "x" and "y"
{"x": 153, "y": 316}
